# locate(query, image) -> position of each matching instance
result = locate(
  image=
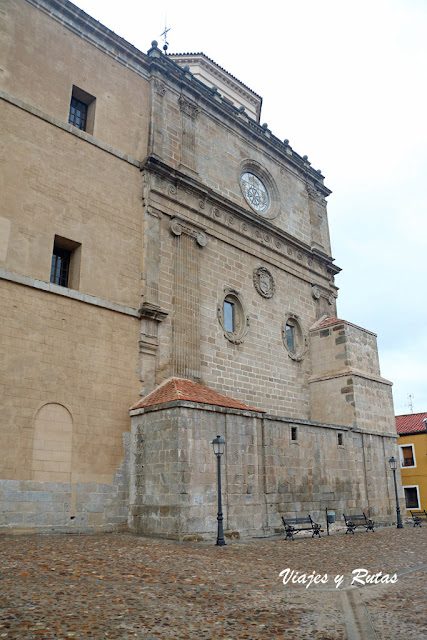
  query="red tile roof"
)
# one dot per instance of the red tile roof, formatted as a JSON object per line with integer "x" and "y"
{"x": 411, "y": 423}
{"x": 182, "y": 389}
{"x": 326, "y": 321}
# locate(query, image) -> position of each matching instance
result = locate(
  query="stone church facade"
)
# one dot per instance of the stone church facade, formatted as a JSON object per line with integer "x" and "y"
{"x": 166, "y": 276}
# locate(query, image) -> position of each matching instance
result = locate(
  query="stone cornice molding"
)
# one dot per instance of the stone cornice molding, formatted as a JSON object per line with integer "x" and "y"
{"x": 94, "y": 32}
{"x": 87, "y": 137}
{"x": 152, "y": 311}
{"x": 315, "y": 194}
{"x": 155, "y": 63}
{"x": 191, "y": 193}
{"x": 198, "y": 406}
{"x": 350, "y": 372}
{"x": 315, "y": 328}
{"x": 223, "y": 75}
{"x": 180, "y": 80}
{"x": 73, "y": 294}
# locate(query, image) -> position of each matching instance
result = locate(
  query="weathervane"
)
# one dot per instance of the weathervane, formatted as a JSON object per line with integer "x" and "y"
{"x": 163, "y": 35}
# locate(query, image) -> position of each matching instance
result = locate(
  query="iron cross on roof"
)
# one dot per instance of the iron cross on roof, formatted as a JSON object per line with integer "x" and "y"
{"x": 163, "y": 35}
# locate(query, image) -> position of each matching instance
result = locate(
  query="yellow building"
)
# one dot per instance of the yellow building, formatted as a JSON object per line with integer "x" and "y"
{"x": 412, "y": 430}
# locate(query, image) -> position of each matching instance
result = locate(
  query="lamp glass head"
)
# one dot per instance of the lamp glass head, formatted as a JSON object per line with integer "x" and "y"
{"x": 218, "y": 446}
{"x": 393, "y": 463}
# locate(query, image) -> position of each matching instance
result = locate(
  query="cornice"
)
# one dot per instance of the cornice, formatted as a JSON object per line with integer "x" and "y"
{"x": 94, "y": 32}
{"x": 200, "y": 55}
{"x": 221, "y": 74}
{"x": 191, "y": 193}
{"x": 350, "y": 372}
{"x": 208, "y": 98}
{"x": 264, "y": 417}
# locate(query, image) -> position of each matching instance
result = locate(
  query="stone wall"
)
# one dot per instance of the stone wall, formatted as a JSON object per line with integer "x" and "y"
{"x": 57, "y": 189}
{"x": 74, "y": 356}
{"x": 346, "y": 386}
{"x": 28, "y": 506}
{"x": 43, "y": 60}
{"x": 150, "y": 200}
{"x": 258, "y": 369}
{"x": 265, "y": 473}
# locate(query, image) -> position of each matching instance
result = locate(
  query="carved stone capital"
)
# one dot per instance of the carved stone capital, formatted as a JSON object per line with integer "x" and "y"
{"x": 179, "y": 226}
{"x": 152, "y": 311}
{"x": 319, "y": 292}
{"x": 188, "y": 108}
{"x": 159, "y": 87}
{"x": 312, "y": 192}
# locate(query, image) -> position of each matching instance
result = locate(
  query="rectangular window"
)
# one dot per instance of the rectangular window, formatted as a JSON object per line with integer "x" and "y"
{"x": 411, "y": 497}
{"x": 82, "y": 110}
{"x": 78, "y": 114}
{"x": 65, "y": 264}
{"x": 407, "y": 455}
{"x": 340, "y": 439}
{"x": 60, "y": 266}
{"x": 294, "y": 434}
{"x": 229, "y": 316}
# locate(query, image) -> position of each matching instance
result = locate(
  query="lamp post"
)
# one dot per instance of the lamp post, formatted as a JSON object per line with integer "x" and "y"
{"x": 219, "y": 448}
{"x": 393, "y": 464}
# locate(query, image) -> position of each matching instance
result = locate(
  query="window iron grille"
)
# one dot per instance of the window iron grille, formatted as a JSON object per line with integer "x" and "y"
{"x": 60, "y": 267}
{"x": 78, "y": 114}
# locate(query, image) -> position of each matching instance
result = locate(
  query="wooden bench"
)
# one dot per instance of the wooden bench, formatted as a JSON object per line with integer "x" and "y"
{"x": 418, "y": 517}
{"x": 295, "y": 525}
{"x": 352, "y": 522}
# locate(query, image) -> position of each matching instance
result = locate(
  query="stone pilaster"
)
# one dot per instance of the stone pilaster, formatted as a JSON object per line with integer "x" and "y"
{"x": 318, "y": 221}
{"x": 186, "y": 317}
{"x": 189, "y": 112}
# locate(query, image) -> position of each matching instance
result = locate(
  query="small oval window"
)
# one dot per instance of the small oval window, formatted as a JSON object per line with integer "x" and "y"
{"x": 232, "y": 317}
{"x": 293, "y": 337}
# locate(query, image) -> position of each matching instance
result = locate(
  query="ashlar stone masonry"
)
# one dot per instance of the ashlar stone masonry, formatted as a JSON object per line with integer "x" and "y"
{"x": 198, "y": 268}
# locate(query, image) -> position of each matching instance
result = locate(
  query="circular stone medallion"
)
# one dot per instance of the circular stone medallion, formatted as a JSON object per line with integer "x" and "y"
{"x": 264, "y": 282}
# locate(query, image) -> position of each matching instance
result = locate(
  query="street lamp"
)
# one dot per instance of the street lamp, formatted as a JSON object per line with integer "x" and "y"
{"x": 219, "y": 448}
{"x": 393, "y": 465}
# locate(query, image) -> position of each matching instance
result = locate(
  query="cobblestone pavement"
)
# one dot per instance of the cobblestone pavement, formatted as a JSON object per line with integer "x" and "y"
{"x": 124, "y": 586}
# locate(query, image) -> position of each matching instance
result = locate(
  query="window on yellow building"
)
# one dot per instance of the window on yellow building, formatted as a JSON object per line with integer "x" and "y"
{"x": 407, "y": 456}
{"x": 411, "y": 497}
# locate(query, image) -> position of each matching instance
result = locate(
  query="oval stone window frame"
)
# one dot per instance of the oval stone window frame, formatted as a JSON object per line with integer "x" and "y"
{"x": 239, "y": 318}
{"x": 253, "y": 167}
{"x": 299, "y": 338}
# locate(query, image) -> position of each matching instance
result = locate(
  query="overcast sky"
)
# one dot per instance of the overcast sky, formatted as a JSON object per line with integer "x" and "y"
{"x": 345, "y": 82}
